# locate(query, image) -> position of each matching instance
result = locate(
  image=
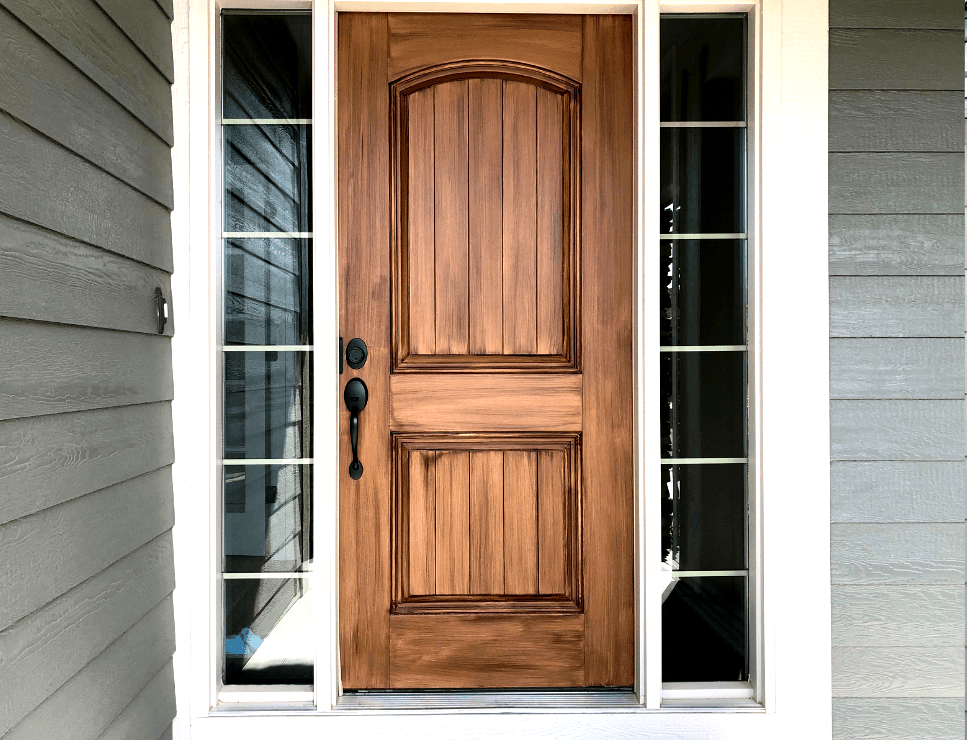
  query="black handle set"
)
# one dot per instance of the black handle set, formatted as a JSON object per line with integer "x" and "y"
{"x": 355, "y": 395}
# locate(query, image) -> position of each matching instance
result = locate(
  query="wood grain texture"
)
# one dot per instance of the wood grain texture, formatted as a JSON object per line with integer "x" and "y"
{"x": 895, "y": 59}
{"x": 897, "y": 430}
{"x": 520, "y": 218}
{"x": 427, "y": 39}
{"x": 486, "y": 208}
{"x": 486, "y": 651}
{"x": 551, "y": 222}
{"x": 607, "y": 262}
{"x": 150, "y": 713}
{"x": 87, "y": 37}
{"x": 452, "y": 522}
{"x": 45, "y": 91}
{"x": 932, "y": 14}
{"x": 895, "y": 121}
{"x": 364, "y": 233}
{"x": 52, "y": 369}
{"x": 896, "y": 368}
{"x": 890, "y": 244}
{"x": 902, "y": 672}
{"x": 897, "y": 491}
{"x": 473, "y": 403}
{"x": 421, "y": 531}
{"x": 551, "y": 523}
{"x": 898, "y": 718}
{"x": 921, "y": 615}
{"x": 71, "y": 542}
{"x": 896, "y": 182}
{"x": 47, "y": 277}
{"x": 145, "y": 23}
{"x": 486, "y": 521}
{"x": 43, "y": 650}
{"x": 421, "y": 254}
{"x": 104, "y": 687}
{"x": 897, "y": 553}
{"x": 520, "y": 522}
{"x": 450, "y": 172}
{"x": 55, "y": 188}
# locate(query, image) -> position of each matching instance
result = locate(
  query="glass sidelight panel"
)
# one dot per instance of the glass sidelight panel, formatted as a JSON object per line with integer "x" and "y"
{"x": 267, "y": 352}
{"x": 704, "y": 362}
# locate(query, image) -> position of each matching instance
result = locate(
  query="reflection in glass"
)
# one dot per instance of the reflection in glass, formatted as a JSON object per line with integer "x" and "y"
{"x": 269, "y": 635}
{"x": 703, "y": 517}
{"x": 703, "y": 292}
{"x": 705, "y": 630}
{"x": 703, "y": 180}
{"x": 703, "y": 68}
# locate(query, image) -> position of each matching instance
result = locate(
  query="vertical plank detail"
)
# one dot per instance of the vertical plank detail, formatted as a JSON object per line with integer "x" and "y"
{"x": 453, "y": 522}
{"x": 550, "y": 222}
{"x": 419, "y": 224}
{"x": 486, "y": 203}
{"x": 451, "y": 161}
{"x": 520, "y": 522}
{"x": 520, "y": 218}
{"x": 486, "y": 522}
{"x": 550, "y": 520}
{"x": 421, "y": 531}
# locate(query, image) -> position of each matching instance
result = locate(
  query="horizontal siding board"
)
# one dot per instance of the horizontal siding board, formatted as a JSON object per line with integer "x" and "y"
{"x": 48, "y": 93}
{"x": 168, "y": 6}
{"x": 50, "y": 186}
{"x": 86, "y": 36}
{"x": 871, "y": 554}
{"x": 47, "y": 460}
{"x": 168, "y": 734}
{"x": 896, "y": 368}
{"x": 42, "y": 651}
{"x": 896, "y": 306}
{"x": 890, "y": 244}
{"x": 894, "y": 14}
{"x": 895, "y": 121}
{"x": 49, "y": 369}
{"x": 896, "y": 182}
{"x": 898, "y": 615}
{"x": 886, "y": 491}
{"x": 898, "y": 719}
{"x": 902, "y": 672}
{"x": 895, "y": 59}
{"x": 100, "y": 691}
{"x": 147, "y": 25}
{"x": 48, "y": 277}
{"x": 897, "y": 430}
{"x": 149, "y": 715}
{"x": 47, "y": 553}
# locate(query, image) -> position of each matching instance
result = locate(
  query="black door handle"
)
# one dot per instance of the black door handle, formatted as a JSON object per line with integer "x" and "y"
{"x": 355, "y": 397}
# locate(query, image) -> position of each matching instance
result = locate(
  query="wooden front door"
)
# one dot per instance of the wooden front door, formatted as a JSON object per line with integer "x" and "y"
{"x": 485, "y": 257}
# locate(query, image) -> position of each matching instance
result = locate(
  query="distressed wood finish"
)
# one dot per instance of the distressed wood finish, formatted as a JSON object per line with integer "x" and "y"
{"x": 896, "y": 182}
{"x": 895, "y": 121}
{"x": 895, "y": 59}
{"x": 872, "y": 616}
{"x": 897, "y": 430}
{"x": 419, "y": 40}
{"x": 896, "y": 244}
{"x": 889, "y": 491}
{"x": 928, "y": 672}
{"x": 896, "y": 368}
{"x": 489, "y": 414}
{"x": 897, "y": 553}
{"x": 898, "y": 718}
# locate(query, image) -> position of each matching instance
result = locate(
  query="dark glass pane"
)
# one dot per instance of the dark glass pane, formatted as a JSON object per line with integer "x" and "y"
{"x": 269, "y": 635}
{"x": 705, "y": 630}
{"x": 266, "y": 407}
{"x": 267, "y": 64}
{"x": 703, "y": 68}
{"x": 268, "y": 291}
{"x": 703, "y": 516}
{"x": 703, "y": 292}
{"x": 703, "y": 404}
{"x": 702, "y": 180}
{"x": 267, "y": 518}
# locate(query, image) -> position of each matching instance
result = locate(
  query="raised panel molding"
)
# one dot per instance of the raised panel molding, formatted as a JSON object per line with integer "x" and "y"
{"x": 487, "y": 523}
{"x": 486, "y": 212}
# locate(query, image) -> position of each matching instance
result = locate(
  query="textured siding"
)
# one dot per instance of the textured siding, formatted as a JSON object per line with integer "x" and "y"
{"x": 896, "y": 187}
{"x": 86, "y": 510}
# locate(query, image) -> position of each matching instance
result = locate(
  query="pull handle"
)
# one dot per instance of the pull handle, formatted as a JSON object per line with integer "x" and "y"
{"x": 355, "y": 395}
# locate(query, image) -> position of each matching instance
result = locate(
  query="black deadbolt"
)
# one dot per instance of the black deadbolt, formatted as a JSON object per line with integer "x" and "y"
{"x": 356, "y": 353}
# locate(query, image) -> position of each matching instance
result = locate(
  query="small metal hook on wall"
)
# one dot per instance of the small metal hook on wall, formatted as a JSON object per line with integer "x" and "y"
{"x": 161, "y": 306}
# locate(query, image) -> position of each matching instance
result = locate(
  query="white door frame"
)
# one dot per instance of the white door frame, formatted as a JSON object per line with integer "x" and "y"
{"x": 790, "y": 329}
